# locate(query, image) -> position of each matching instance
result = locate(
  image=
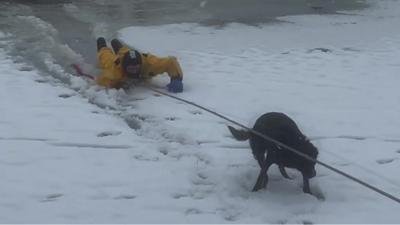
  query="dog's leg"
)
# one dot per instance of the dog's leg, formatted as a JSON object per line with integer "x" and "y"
{"x": 283, "y": 172}
{"x": 262, "y": 179}
{"x": 306, "y": 185}
{"x": 260, "y": 159}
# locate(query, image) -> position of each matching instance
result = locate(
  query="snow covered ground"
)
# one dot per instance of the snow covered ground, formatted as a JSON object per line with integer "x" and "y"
{"x": 75, "y": 153}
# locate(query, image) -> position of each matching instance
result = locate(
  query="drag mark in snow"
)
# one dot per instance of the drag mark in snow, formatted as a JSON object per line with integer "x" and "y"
{"x": 350, "y": 137}
{"x": 17, "y": 164}
{"x": 25, "y": 139}
{"x": 84, "y": 145}
{"x": 392, "y": 140}
{"x": 358, "y": 138}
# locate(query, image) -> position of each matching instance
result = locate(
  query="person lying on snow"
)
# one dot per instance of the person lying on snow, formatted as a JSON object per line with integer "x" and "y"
{"x": 127, "y": 64}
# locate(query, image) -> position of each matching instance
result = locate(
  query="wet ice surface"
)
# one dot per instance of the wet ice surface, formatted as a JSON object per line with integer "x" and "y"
{"x": 211, "y": 12}
{"x": 76, "y": 153}
{"x": 79, "y": 23}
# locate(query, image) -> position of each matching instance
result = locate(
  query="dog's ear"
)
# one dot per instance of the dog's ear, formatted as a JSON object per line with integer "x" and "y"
{"x": 240, "y": 135}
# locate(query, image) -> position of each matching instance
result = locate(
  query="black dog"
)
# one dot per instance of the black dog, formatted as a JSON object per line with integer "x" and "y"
{"x": 283, "y": 129}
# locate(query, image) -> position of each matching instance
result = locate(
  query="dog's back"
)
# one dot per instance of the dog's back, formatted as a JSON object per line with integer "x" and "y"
{"x": 277, "y": 126}
{"x": 281, "y": 128}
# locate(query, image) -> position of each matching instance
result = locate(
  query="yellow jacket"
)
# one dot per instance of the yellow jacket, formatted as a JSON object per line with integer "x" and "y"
{"x": 112, "y": 75}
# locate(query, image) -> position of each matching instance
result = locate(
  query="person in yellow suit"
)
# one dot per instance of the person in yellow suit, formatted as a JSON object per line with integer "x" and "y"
{"x": 125, "y": 63}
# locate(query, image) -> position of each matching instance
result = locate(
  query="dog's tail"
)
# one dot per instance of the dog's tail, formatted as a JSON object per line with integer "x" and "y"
{"x": 240, "y": 135}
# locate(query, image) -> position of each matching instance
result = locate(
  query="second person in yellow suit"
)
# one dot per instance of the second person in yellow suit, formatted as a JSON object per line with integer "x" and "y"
{"x": 121, "y": 63}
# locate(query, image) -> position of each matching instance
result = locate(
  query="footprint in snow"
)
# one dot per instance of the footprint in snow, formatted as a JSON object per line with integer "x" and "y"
{"x": 196, "y": 112}
{"x": 200, "y": 194}
{"x": 108, "y": 133}
{"x": 133, "y": 123}
{"x": 317, "y": 192}
{"x": 325, "y": 50}
{"x": 192, "y": 211}
{"x": 65, "y": 95}
{"x": 201, "y": 142}
{"x": 231, "y": 216}
{"x": 163, "y": 150}
{"x": 385, "y": 161}
{"x": 202, "y": 176}
{"x": 350, "y": 49}
{"x": 202, "y": 179}
{"x": 25, "y": 68}
{"x": 282, "y": 221}
{"x": 52, "y": 197}
{"x": 125, "y": 197}
{"x": 144, "y": 158}
{"x": 171, "y": 118}
{"x": 179, "y": 196}
{"x": 191, "y": 194}
{"x": 204, "y": 159}
{"x": 41, "y": 81}
{"x": 237, "y": 165}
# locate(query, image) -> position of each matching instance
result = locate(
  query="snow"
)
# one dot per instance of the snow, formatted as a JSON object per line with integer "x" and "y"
{"x": 76, "y": 153}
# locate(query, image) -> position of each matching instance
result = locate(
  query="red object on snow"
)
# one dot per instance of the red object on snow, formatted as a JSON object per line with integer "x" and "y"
{"x": 80, "y": 72}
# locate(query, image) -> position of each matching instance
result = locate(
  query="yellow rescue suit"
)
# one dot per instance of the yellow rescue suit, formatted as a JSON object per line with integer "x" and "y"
{"x": 112, "y": 75}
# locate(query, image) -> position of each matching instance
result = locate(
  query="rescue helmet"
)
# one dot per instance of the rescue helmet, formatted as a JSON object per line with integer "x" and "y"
{"x": 131, "y": 64}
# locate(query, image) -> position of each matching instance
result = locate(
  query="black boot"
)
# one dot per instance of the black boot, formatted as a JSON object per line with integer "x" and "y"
{"x": 101, "y": 43}
{"x": 116, "y": 45}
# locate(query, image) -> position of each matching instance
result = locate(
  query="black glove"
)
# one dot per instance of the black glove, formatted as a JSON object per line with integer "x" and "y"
{"x": 101, "y": 43}
{"x": 116, "y": 45}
